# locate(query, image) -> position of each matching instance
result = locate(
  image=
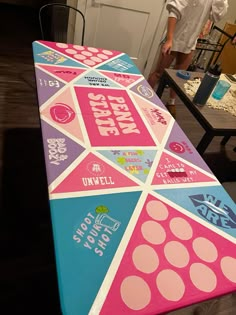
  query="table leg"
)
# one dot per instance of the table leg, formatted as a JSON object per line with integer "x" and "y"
{"x": 205, "y": 141}
{"x": 225, "y": 140}
{"x": 161, "y": 86}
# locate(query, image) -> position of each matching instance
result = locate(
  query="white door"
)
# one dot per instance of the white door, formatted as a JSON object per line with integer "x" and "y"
{"x": 125, "y": 25}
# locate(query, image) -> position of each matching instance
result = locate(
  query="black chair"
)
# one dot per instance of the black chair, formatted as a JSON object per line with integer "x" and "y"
{"x": 230, "y": 187}
{"x": 54, "y": 21}
{"x": 225, "y": 140}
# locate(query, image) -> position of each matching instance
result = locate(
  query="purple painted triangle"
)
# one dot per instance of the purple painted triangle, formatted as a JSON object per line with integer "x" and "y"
{"x": 179, "y": 144}
{"x": 59, "y": 150}
{"x": 47, "y": 85}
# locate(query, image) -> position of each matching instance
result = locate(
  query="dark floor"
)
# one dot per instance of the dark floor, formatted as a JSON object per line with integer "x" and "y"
{"x": 28, "y": 282}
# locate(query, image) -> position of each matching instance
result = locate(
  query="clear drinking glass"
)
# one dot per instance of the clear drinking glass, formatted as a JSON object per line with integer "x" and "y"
{"x": 221, "y": 89}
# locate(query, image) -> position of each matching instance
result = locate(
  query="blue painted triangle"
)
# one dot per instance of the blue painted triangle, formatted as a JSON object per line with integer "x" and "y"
{"x": 212, "y": 204}
{"x": 86, "y": 242}
{"x": 93, "y": 78}
{"x": 136, "y": 162}
{"x": 121, "y": 64}
{"x": 46, "y": 55}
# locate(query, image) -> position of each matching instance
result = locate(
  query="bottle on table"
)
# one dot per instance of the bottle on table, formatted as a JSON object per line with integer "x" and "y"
{"x": 207, "y": 85}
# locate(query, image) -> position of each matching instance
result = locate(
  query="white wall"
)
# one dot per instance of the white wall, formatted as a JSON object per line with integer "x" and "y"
{"x": 73, "y": 22}
{"x": 230, "y": 17}
{"x": 155, "y": 49}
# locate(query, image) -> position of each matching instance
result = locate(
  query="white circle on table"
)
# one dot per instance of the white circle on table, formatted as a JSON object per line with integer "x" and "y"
{"x": 203, "y": 277}
{"x": 205, "y": 249}
{"x": 89, "y": 62}
{"x": 95, "y": 50}
{"x": 145, "y": 258}
{"x": 70, "y": 51}
{"x": 86, "y": 53}
{"x": 181, "y": 228}
{"x": 107, "y": 52}
{"x": 170, "y": 285}
{"x": 79, "y": 57}
{"x": 135, "y": 293}
{"x": 153, "y": 232}
{"x": 102, "y": 56}
{"x": 62, "y": 45}
{"x": 157, "y": 210}
{"x": 78, "y": 47}
{"x": 96, "y": 59}
{"x": 176, "y": 254}
{"x": 228, "y": 267}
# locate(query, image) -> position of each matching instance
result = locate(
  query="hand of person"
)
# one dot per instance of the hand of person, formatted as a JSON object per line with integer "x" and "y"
{"x": 166, "y": 48}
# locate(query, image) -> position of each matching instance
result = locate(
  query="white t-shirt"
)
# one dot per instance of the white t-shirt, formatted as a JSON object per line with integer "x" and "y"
{"x": 191, "y": 16}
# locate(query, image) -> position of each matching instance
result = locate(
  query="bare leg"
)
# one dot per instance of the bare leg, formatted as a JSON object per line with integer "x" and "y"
{"x": 182, "y": 63}
{"x": 164, "y": 61}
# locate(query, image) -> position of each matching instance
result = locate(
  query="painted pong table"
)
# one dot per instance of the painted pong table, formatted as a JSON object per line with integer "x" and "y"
{"x": 140, "y": 223}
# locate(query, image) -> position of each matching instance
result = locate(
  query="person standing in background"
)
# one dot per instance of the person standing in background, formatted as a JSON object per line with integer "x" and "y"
{"x": 185, "y": 22}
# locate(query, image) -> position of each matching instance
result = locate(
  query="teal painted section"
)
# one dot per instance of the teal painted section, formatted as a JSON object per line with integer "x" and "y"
{"x": 121, "y": 64}
{"x": 212, "y": 204}
{"x": 84, "y": 245}
{"x": 49, "y": 56}
{"x": 93, "y": 78}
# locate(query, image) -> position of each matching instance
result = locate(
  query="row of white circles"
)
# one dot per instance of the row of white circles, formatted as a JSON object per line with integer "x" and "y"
{"x": 87, "y": 56}
{"x": 168, "y": 282}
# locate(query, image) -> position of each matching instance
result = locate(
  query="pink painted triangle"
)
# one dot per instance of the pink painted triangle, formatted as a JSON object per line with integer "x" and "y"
{"x": 137, "y": 288}
{"x": 88, "y": 56}
{"x": 173, "y": 171}
{"x": 62, "y": 111}
{"x": 121, "y": 78}
{"x": 65, "y": 73}
{"x": 157, "y": 118}
{"x": 93, "y": 174}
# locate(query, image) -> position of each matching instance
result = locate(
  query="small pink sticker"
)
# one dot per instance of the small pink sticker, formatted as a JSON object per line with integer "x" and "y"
{"x": 181, "y": 228}
{"x": 177, "y": 147}
{"x": 170, "y": 285}
{"x": 145, "y": 258}
{"x": 203, "y": 277}
{"x": 157, "y": 210}
{"x": 62, "y": 113}
{"x": 135, "y": 293}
